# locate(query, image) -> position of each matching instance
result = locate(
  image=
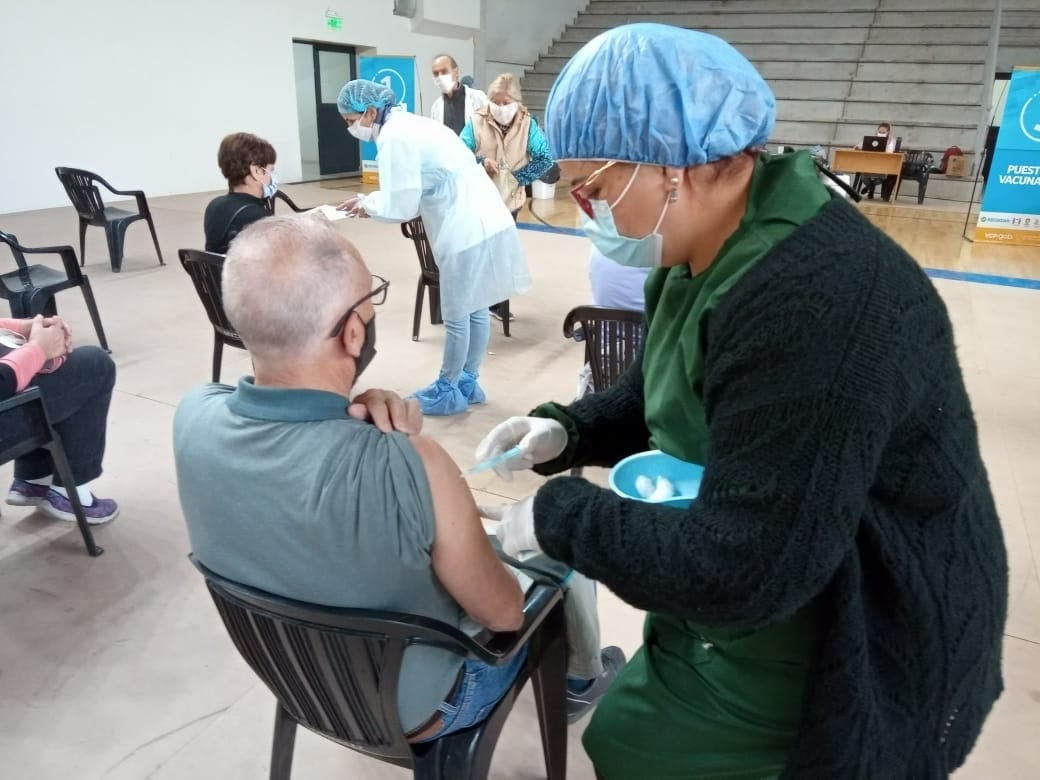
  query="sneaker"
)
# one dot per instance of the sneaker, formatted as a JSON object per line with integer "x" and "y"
{"x": 580, "y": 703}
{"x": 24, "y": 493}
{"x": 55, "y": 505}
{"x": 474, "y": 392}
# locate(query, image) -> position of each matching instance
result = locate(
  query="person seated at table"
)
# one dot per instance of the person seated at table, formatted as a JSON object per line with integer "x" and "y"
{"x": 888, "y": 183}
{"x": 77, "y": 387}
{"x": 247, "y": 163}
{"x": 320, "y": 505}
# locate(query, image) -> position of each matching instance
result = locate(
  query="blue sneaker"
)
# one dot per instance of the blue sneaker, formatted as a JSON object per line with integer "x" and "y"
{"x": 441, "y": 399}
{"x": 468, "y": 385}
{"x": 103, "y": 510}
{"x": 22, "y": 493}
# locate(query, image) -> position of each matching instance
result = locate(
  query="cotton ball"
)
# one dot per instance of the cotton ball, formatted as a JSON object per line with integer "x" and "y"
{"x": 662, "y": 491}
{"x": 644, "y": 486}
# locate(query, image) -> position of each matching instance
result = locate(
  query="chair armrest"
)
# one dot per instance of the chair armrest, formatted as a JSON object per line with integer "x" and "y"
{"x": 68, "y": 257}
{"x": 137, "y": 195}
{"x": 496, "y": 649}
{"x": 282, "y": 196}
{"x": 27, "y": 396}
{"x": 114, "y": 191}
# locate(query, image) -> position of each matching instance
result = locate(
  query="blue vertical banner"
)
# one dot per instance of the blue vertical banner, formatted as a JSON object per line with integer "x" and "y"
{"x": 1010, "y": 212}
{"x": 397, "y": 73}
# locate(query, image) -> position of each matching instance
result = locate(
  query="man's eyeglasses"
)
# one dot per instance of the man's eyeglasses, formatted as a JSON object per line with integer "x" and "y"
{"x": 583, "y": 203}
{"x": 377, "y": 296}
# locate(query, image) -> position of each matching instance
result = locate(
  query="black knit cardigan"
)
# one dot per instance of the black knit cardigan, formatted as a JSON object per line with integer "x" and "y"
{"x": 843, "y": 466}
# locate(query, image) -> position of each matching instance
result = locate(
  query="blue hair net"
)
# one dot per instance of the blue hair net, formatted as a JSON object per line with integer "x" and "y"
{"x": 657, "y": 94}
{"x": 359, "y": 95}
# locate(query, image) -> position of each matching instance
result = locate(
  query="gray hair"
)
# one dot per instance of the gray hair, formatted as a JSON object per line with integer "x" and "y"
{"x": 285, "y": 282}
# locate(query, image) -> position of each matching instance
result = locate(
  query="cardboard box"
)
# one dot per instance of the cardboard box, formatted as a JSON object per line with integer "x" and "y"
{"x": 958, "y": 166}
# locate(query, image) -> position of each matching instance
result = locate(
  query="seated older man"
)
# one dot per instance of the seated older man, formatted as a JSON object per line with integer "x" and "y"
{"x": 283, "y": 487}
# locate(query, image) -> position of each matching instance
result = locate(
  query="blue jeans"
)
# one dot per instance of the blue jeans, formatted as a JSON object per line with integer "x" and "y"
{"x": 481, "y": 688}
{"x": 465, "y": 342}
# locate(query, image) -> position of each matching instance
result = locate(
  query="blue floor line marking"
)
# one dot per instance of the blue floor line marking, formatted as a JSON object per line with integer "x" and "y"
{"x": 935, "y": 273}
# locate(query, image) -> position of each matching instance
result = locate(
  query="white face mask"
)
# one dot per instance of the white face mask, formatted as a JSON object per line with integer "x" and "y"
{"x": 363, "y": 132}
{"x": 446, "y": 82}
{"x": 504, "y": 115}
{"x": 645, "y": 252}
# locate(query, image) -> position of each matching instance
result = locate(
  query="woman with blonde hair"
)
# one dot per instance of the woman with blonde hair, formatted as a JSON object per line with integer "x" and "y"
{"x": 507, "y": 141}
{"x": 509, "y": 144}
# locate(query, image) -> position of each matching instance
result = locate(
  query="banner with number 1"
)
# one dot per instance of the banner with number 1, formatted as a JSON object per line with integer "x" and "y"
{"x": 397, "y": 73}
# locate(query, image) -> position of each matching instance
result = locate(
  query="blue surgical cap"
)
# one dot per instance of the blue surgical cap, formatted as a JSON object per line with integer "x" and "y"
{"x": 652, "y": 93}
{"x": 359, "y": 95}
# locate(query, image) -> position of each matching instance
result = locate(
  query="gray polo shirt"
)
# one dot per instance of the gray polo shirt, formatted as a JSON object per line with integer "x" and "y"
{"x": 282, "y": 491}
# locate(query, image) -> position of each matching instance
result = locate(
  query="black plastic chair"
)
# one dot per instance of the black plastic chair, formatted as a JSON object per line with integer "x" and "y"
{"x": 917, "y": 166}
{"x": 612, "y": 338}
{"x": 30, "y": 289}
{"x": 86, "y": 199}
{"x": 335, "y": 672}
{"x": 430, "y": 279}
{"x": 205, "y": 270}
{"x": 25, "y": 427}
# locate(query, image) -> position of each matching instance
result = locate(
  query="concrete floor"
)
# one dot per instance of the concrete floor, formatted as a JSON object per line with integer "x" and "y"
{"x": 118, "y": 667}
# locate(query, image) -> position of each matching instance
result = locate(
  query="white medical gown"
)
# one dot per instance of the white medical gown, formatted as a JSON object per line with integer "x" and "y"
{"x": 426, "y": 171}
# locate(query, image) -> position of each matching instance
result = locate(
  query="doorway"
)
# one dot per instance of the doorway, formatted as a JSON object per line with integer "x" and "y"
{"x": 326, "y": 148}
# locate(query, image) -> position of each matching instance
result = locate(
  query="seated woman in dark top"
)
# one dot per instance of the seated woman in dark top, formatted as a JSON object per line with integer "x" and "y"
{"x": 247, "y": 162}
{"x": 77, "y": 387}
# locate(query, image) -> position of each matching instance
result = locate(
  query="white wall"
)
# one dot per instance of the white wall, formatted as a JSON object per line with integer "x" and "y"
{"x": 306, "y": 104}
{"x": 147, "y": 100}
{"x": 514, "y": 34}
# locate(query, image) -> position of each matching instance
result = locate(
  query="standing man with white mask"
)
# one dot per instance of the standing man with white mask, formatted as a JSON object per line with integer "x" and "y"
{"x": 456, "y": 102}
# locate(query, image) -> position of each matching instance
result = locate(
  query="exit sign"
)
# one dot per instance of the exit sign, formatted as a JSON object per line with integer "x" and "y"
{"x": 333, "y": 20}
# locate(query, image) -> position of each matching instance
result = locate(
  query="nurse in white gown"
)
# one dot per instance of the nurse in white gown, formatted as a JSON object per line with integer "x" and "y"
{"x": 426, "y": 171}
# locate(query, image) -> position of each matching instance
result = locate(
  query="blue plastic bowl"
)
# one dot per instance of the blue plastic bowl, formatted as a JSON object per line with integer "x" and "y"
{"x": 685, "y": 476}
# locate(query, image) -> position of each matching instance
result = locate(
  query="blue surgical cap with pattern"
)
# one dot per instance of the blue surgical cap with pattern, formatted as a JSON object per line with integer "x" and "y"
{"x": 656, "y": 94}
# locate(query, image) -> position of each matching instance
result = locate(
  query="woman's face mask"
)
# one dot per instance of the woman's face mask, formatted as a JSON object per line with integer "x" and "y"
{"x": 504, "y": 114}
{"x": 363, "y": 132}
{"x": 645, "y": 252}
{"x": 271, "y": 187}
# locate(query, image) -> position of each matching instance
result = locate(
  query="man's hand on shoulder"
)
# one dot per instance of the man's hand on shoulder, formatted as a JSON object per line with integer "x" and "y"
{"x": 387, "y": 411}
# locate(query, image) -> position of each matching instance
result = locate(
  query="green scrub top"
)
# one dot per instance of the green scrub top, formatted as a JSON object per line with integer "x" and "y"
{"x": 697, "y": 702}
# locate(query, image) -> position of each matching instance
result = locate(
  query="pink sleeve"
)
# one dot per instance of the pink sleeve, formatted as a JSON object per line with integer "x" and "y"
{"x": 15, "y": 325}
{"x": 26, "y": 361}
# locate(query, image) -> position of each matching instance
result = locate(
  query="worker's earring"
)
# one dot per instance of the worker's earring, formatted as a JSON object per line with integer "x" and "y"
{"x": 673, "y": 196}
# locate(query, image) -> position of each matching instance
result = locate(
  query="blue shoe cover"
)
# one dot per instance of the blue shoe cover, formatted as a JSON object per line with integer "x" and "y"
{"x": 441, "y": 399}
{"x": 468, "y": 385}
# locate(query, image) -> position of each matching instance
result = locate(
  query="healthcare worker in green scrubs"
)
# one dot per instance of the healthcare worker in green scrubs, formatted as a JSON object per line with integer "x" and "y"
{"x": 832, "y": 603}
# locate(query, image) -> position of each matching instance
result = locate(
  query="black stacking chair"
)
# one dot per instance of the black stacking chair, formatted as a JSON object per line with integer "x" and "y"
{"x": 205, "y": 269}
{"x": 335, "y": 672}
{"x": 82, "y": 190}
{"x": 24, "y": 427}
{"x": 30, "y": 289}
{"x": 612, "y": 338}
{"x": 430, "y": 279}
{"x": 917, "y": 166}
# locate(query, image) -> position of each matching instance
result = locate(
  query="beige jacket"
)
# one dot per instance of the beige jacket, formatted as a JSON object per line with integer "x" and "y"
{"x": 508, "y": 149}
